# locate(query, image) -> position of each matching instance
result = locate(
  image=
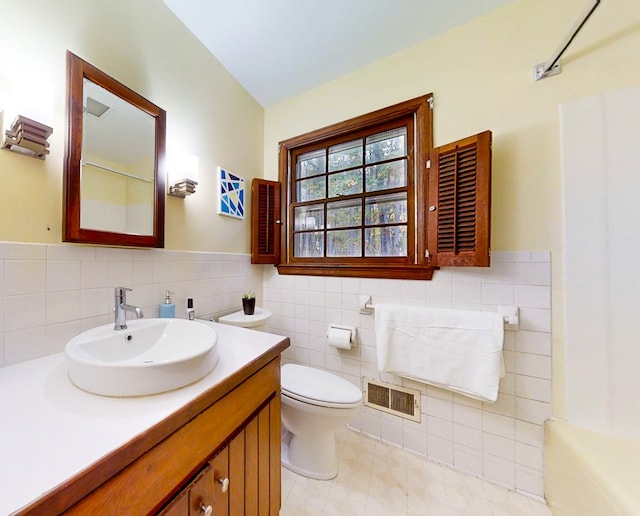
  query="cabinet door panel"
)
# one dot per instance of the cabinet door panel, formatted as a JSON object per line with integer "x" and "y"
{"x": 263, "y": 461}
{"x": 220, "y": 494}
{"x": 236, "y": 474}
{"x": 251, "y": 468}
{"x": 274, "y": 456}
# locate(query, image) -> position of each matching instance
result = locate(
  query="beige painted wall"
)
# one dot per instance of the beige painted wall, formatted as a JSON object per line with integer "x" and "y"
{"x": 481, "y": 75}
{"x": 143, "y": 45}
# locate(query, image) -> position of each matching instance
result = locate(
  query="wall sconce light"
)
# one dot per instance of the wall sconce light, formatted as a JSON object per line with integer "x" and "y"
{"x": 30, "y": 99}
{"x": 28, "y": 137}
{"x": 183, "y": 174}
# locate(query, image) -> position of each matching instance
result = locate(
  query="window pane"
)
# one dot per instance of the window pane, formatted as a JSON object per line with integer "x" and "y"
{"x": 345, "y": 155}
{"x": 309, "y": 217}
{"x": 387, "y": 175}
{"x": 311, "y": 189}
{"x": 385, "y": 209}
{"x": 345, "y": 183}
{"x": 346, "y": 242}
{"x": 310, "y": 164}
{"x": 387, "y": 145}
{"x": 387, "y": 241}
{"x": 343, "y": 214}
{"x": 308, "y": 245}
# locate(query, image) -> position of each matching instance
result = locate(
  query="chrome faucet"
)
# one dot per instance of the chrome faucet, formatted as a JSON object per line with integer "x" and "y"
{"x": 121, "y": 308}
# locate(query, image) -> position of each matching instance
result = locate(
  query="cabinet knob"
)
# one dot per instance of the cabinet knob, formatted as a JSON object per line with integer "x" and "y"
{"x": 207, "y": 510}
{"x": 224, "y": 484}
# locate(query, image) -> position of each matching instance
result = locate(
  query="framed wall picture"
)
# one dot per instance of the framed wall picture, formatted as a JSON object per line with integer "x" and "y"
{"x": 231, "y": 194}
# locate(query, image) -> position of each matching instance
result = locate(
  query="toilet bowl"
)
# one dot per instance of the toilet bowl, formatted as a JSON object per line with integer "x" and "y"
{"x": 315, "y": 403}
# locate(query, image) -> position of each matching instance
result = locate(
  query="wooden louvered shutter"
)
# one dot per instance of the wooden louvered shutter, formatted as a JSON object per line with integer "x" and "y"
{"x": 460, "y": 202}
{"x": 265, "y": 227}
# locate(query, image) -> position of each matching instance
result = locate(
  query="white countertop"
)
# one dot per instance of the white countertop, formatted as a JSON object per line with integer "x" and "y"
{"x": 51, "y": 430}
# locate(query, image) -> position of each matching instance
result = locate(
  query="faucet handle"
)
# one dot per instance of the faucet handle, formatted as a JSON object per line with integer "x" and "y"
{"x": 121, "y": 293}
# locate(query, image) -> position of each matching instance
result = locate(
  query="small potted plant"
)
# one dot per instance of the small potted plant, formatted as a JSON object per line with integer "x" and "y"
{"x": 249, "y": 302}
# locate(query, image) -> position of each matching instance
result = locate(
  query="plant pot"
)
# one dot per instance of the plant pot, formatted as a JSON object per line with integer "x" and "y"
{"x": 249, "y": 306}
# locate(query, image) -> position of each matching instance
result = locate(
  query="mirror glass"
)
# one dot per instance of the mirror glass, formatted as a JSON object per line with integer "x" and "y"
{"x": 117, "y": 171}
{"x": 114, "y": 193}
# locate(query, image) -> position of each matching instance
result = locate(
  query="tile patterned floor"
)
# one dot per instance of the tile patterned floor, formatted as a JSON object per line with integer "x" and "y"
{"x": 377, "y": 479}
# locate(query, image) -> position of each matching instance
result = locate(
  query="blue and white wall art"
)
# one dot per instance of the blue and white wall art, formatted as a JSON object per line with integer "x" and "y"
{"x": 231, "y": 197}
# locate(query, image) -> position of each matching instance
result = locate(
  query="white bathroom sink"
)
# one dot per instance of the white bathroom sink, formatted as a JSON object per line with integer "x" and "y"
{"x": 149, "y": 357}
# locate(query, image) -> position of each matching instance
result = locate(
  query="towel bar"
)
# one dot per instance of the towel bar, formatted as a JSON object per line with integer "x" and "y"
{"x": 510, "y": 314}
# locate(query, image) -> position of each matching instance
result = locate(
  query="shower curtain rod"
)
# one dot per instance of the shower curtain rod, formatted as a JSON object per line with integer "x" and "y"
{"x": 552, "y": 66}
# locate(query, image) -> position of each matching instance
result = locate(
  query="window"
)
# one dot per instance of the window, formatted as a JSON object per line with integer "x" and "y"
{"x": 350, "y": 199}
{"x": 364, "y": 198}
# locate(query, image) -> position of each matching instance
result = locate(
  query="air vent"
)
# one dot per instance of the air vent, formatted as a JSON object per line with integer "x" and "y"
{"x": 391, "y": 398}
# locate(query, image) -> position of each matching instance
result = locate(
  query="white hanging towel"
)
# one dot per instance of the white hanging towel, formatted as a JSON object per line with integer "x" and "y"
{"x": 459, "y": 350}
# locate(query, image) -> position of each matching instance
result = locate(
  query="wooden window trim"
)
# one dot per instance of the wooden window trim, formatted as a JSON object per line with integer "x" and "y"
{"x": 360, "y": 271}
{"x": 410, "y": 267}
{"x": 448, "y": 229}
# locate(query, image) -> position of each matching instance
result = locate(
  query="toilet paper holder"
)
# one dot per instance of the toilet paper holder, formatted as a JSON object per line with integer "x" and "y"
{"x": 341, "y": 336}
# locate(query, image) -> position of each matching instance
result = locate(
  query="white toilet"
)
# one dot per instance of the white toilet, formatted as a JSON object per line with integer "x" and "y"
{"x": 315, "y": 403}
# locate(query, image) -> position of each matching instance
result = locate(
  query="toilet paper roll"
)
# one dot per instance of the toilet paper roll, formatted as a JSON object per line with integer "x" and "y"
{"x": 339, "y": 337}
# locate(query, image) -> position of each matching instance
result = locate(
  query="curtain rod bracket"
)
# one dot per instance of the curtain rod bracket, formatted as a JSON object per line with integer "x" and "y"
{"x": 540, "y": 71}
{"x": 552, "y": 66}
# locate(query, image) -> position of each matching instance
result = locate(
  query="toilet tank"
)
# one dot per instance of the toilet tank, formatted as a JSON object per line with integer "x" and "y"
{"x": 257, "y": 321}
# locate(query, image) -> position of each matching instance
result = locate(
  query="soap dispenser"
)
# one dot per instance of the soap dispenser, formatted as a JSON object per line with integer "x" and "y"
{"x": 168, "y": 308}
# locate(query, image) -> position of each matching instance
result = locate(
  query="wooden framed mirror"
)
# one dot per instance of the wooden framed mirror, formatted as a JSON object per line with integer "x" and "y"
{"x": 114, "y": 176}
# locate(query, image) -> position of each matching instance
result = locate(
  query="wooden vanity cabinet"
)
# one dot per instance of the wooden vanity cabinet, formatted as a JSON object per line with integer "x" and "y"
{"x": 236, "y": 438}
{"x": 239, "y": 477}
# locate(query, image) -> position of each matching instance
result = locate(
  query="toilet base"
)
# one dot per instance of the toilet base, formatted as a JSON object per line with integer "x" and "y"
{"x": 310, "y": 458}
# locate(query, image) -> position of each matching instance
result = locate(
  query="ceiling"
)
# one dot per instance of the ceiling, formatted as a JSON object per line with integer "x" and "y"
{"x": 279, "y": 48}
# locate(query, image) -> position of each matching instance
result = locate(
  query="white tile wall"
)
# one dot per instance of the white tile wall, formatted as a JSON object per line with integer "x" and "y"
{"x": 49, "y": 293}
{"x": 501, "y": 442}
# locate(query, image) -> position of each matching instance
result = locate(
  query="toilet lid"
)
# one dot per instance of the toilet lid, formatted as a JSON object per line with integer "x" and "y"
{"x": 318, "y": 387}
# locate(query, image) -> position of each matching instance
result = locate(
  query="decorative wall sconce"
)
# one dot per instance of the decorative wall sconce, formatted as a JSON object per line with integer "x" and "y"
{"x": 183, "y": 174}
{"x": 28, "y": 137}
{"x": 183, "y": 188}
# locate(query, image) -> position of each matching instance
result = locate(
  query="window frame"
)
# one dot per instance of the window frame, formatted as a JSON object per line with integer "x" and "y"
{"x": 415, "y": 265}
{"x": 361, "y": 197}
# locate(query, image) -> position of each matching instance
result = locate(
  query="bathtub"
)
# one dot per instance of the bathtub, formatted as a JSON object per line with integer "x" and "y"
{"x": 590, "y": 473}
